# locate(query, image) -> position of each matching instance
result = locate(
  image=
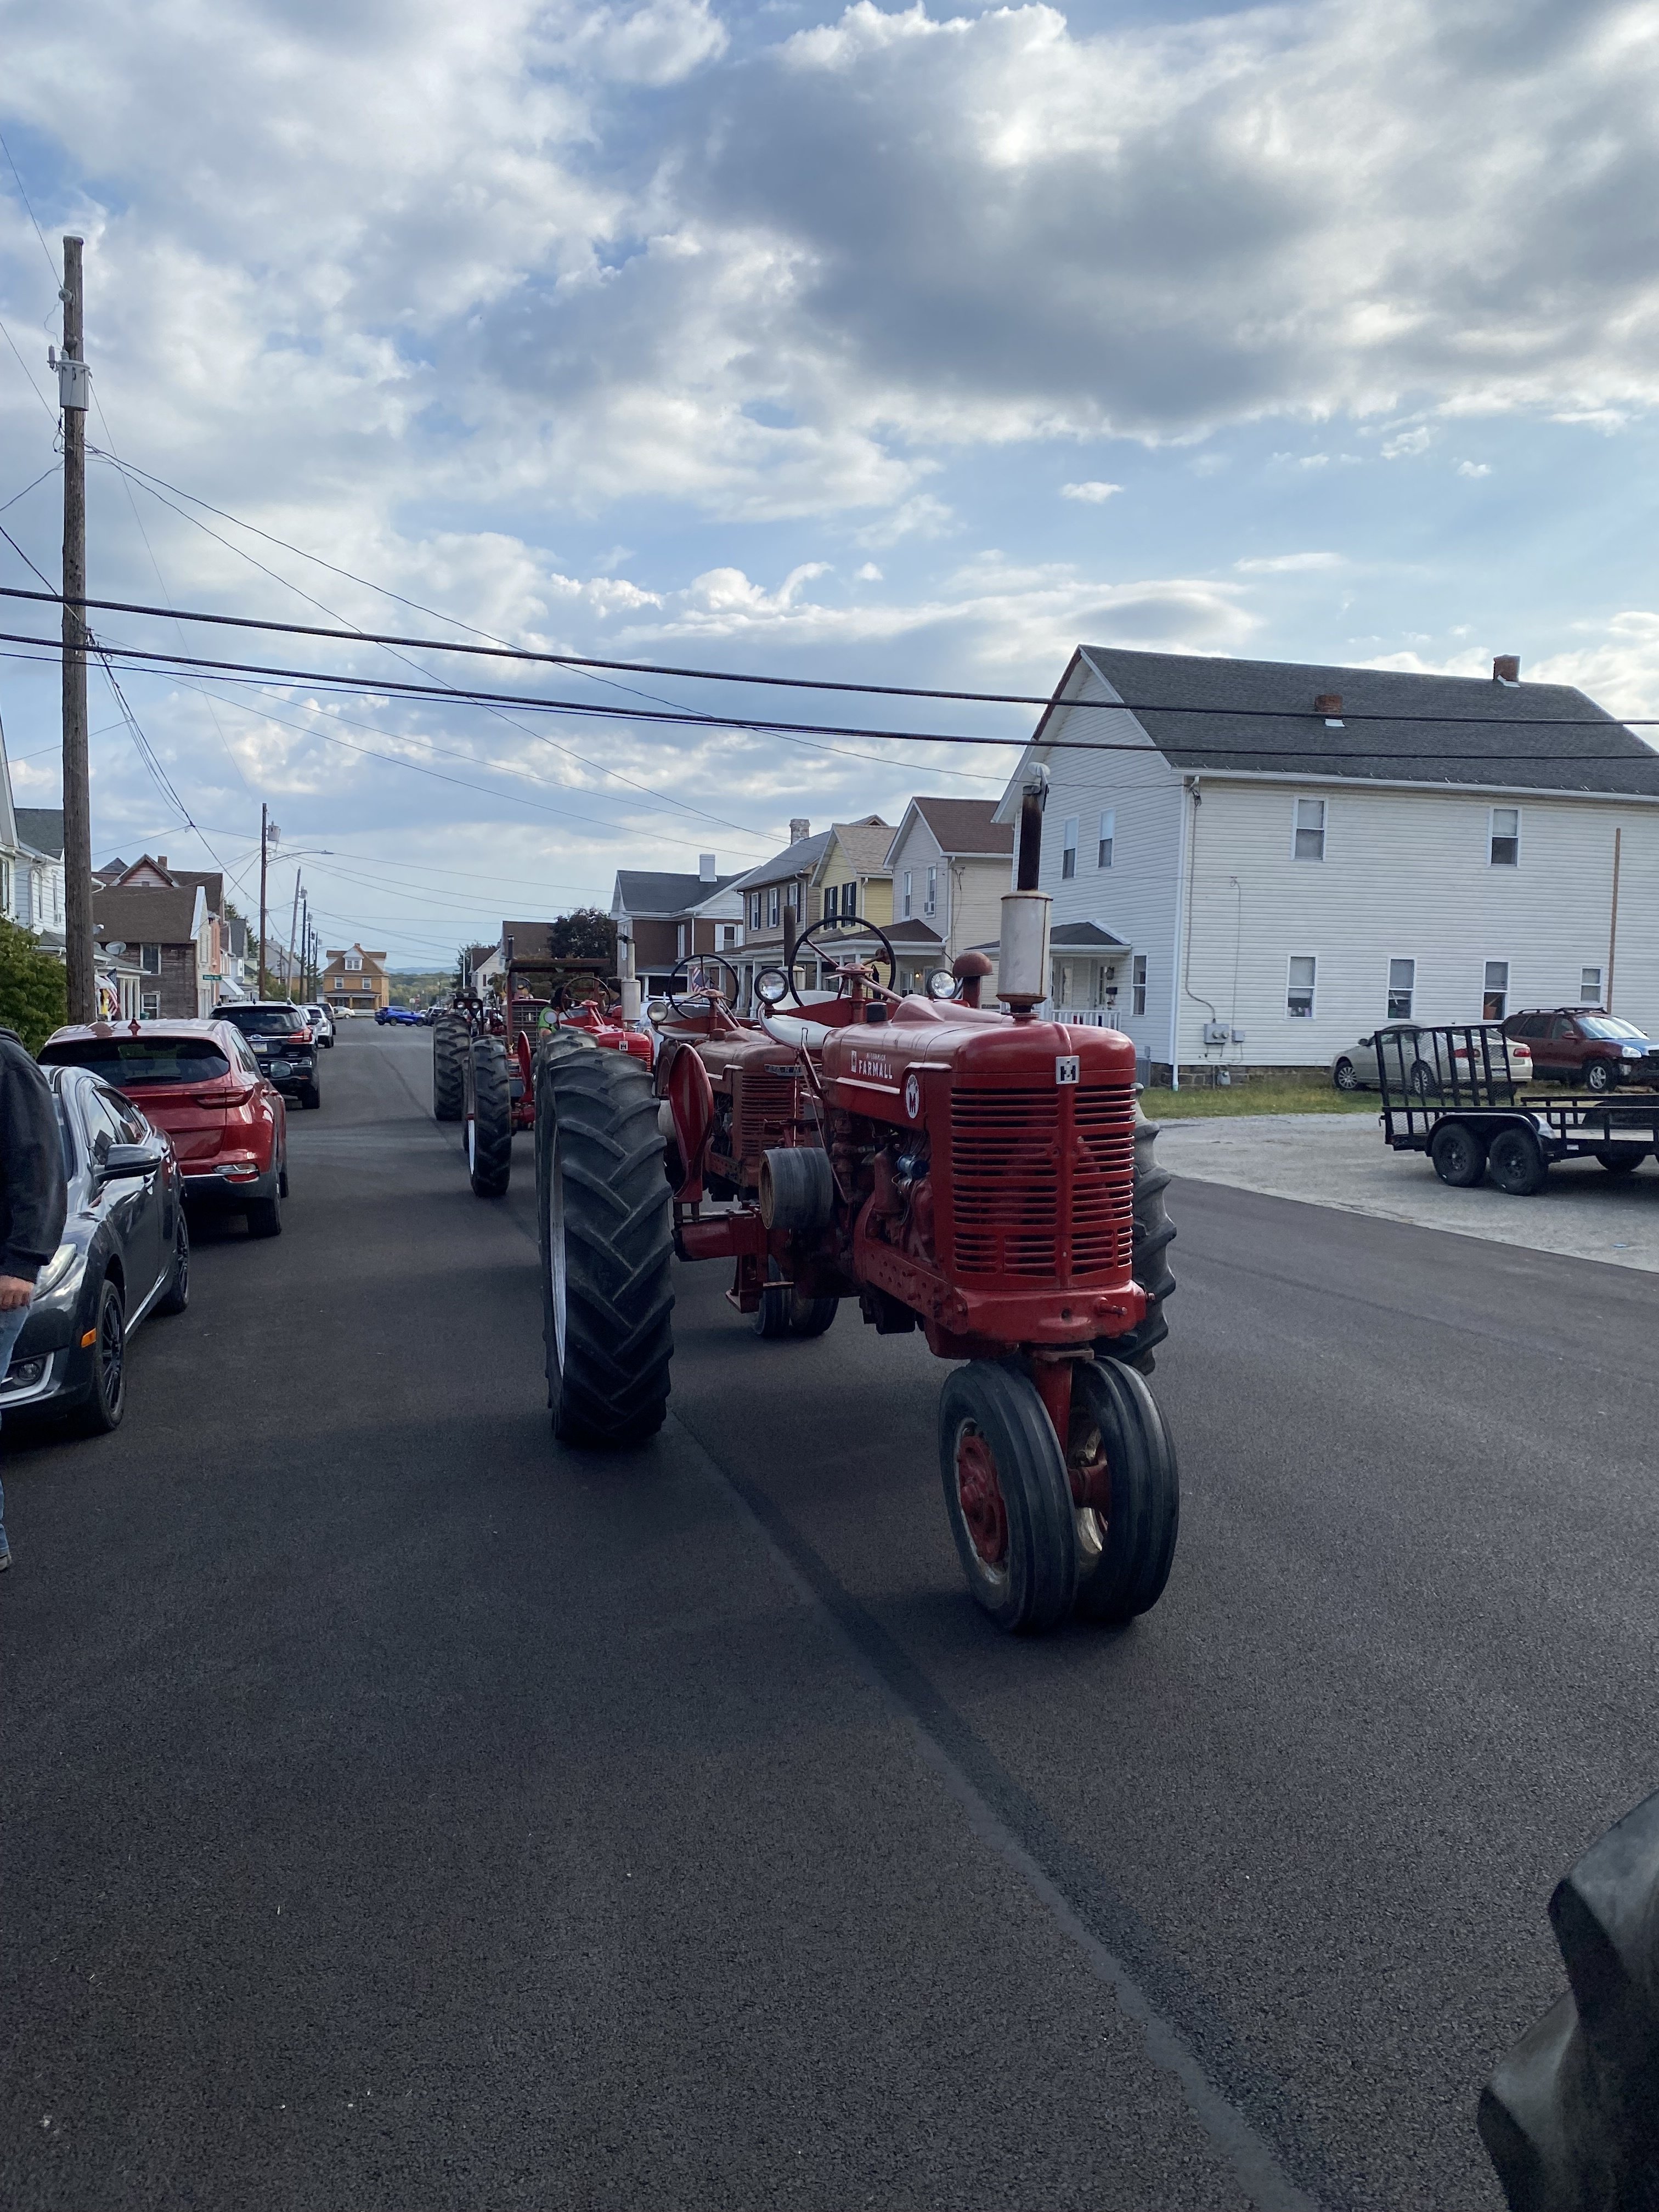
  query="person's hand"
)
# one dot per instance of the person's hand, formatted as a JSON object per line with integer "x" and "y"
{"x": 15, "y": 1292}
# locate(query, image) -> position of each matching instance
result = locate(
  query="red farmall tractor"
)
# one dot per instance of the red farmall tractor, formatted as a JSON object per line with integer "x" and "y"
{"x": 976, "y": 1174}
{"x": 484, "y": 1053}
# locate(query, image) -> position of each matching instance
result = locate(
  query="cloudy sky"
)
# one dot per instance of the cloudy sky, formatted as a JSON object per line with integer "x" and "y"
{"x": 882, "y": 343}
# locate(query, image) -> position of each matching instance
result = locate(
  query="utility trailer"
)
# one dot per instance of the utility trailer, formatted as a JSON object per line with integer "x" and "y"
{"x": 483, "y": 1054}
{"x": 1448, "y": 1090}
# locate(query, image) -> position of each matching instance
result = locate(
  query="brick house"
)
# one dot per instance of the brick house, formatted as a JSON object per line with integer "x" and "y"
{"x": 667, "y": 915}
{"x": 164, "y": 927}
{"x": 355, "y": 982}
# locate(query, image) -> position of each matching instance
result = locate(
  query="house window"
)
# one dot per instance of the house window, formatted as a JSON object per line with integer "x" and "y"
{"x": 774, "y": 907}
{"x": 831, "y": 901}
{"x": 1107, "y": 839}
{"x": 5, "y": 886}
{"x": 1505, "y": 837}
{"x": 754, "y": 911}
{"x": 728, "y": 936}
{"x": 354, "y": 961}
{"x": 1304, "y": 971}
{"x": 1068, "y": 850}
{"x": 149, "y": 1006}
{"x": 1309, "y": 828}
{"x": 679, "y": 940}
{"x": 907, "y": 895}
{"x": 1402, "y": 982}
{"x": 1495, "y": 999}
{"x": 1138, "y": 985}
{"x": 1590, "y": 987}
{"x": 933, "y": 890}
{"x": 850, "y": 900}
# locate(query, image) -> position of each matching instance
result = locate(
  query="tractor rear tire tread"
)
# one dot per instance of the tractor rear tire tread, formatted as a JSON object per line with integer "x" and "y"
{"x": 596, "y": 1116}
{"x": 490, "y": 1167}
{"x": 1154, "y": 1232}
{"x": 449, "y": 1042}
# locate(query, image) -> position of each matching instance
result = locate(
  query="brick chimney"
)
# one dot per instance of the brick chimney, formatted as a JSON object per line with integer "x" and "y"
{"x": 1506, "y": 668}
{"x": 706, "y": 873}
{"x": 1329, "y": 703}
{"x": 161, "y": 859}
{"x": 799, "y": 828}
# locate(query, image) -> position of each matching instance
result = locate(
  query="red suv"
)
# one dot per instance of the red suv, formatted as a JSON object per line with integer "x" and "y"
{"x": 200, "y": 1082}
{"x": 1575, "y": 1044}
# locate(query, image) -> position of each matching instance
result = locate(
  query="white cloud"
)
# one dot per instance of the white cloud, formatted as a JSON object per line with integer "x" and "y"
{"x": 1282, "y": 564}
{"x": 1474, "y": 469}
{"x": 1407, "y": 443}
{"x": 1093, "y": 494}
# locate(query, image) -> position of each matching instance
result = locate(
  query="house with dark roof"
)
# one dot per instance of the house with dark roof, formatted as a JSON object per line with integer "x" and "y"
{"x": 666, "y": 915}
{"x": 38, "y": 886}
{"x": 1254, "y": 863}
{"x": 776, "y": 897}
{"x": 949, "y": 863}
{"x": 166, "y": 928}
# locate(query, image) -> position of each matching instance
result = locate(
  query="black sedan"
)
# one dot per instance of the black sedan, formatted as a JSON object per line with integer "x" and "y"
{"x": 125, "y": 1254}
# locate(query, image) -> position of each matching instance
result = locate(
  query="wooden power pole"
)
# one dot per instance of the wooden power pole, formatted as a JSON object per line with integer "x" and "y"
{"x": 264, "y": 852}
{"x": 77, "y": 797}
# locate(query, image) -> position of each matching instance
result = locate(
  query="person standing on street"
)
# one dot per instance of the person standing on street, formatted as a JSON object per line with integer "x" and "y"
{"x": 32, "y": 1200}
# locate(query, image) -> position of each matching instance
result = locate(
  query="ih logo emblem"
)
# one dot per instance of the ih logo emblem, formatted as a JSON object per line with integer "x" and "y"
{"x": 1066, "y": 1067}
{"x": 913, "y": 1097}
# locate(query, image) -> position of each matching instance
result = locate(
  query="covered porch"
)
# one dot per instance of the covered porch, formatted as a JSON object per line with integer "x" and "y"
{"x": 1091, "y": 975}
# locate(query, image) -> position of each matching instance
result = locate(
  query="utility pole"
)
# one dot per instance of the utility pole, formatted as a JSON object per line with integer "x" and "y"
{"x": 293, "y": 932}
{"x": 265, "y": 849}
{"x": 77, "y": 796}
{"x": 304, "y": 944}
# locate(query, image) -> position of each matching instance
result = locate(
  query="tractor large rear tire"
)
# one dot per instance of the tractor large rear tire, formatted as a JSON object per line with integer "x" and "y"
{"x": 1007, "y": 1497}
{"x": 448, "y": 1048}
{"x": 605, "y": 1217}
{"x": 489, "y": 1118}
{"x": 1154, "y": 1233}
{"x": 1125, "y": 1547}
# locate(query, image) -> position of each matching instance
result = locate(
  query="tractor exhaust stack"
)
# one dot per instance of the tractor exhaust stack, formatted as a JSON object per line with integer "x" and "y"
{"x": 1023, "y": 961}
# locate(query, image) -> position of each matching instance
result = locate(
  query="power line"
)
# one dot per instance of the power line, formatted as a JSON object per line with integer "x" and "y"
{"x": 254, "y": 671}
{"x": 50, "y": 411}
{"x": 22, "y": 194}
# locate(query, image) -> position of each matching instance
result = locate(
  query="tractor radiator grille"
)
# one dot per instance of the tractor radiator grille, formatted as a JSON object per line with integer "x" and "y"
{"x": 762, "y": 1107}
{"x": 1006, "y": 1152}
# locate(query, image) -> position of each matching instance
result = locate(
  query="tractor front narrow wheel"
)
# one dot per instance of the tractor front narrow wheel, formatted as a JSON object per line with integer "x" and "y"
{"x": 1007, "y": 1497}
{"x": 449, "y": 1042}
{"x": 488, "y": 1123}
{"x": 605, "y": 1218}
{"x": 1123, "y": 1463}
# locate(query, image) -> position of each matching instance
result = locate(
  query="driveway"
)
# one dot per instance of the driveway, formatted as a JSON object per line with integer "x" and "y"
{"x": 1340, "y": 1160}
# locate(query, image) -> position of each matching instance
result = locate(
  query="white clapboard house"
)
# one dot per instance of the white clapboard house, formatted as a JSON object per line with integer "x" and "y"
{"x": 1261, "y": 861}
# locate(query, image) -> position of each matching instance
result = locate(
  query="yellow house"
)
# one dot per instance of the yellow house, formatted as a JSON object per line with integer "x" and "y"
{"x": 355, "y": 982}
{"x": 852, "y": 879}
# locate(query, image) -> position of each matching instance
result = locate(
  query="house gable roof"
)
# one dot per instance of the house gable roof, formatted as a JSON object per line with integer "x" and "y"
{"x": 1085, "y": 937}
{"x": 800, "y": 858}
{"x": 964, "y": 828}
{"x": 42, "y": 829}
{"x": 864, "y": 843}
{"x": 147, "y": 916}
{"x": 1396, "y": 726}
{"x": 651, "y": 895}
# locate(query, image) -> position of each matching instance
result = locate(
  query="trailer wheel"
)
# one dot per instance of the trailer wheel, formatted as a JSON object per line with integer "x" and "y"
{"x": 489, "y": 1118}
{"x": 1515, "y": 1162}
{"x": 1622, "y": 1159}
{"x": 1120, "y": 1454}
{"x": 1007, "y": 1495}
{"x": 1459, "y": 1156}
{"x": 448, "y": 1044}
{"x": 1154, "y": 1232}
{"x": 605, "y": 1219}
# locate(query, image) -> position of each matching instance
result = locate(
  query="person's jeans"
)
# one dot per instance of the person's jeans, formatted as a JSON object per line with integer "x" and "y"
{"x": 11, "y": 1327}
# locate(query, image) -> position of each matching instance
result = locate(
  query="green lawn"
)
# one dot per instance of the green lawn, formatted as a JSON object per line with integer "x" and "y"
{"x": 1298, "y": 1095}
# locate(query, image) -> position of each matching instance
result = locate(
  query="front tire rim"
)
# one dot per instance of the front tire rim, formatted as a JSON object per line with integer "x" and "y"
{"x": 1346, "y": 1078}
{"x": 559, "y": 1273}
{"x": 979, "y": 1500}
{"x": 181, "y": 1278}
{"x": 1598, "y": 1077}
{"x": 111, "y": 1364}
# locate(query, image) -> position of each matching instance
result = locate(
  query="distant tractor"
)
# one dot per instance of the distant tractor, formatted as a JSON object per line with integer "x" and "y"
{"x": 484, "y": 1054}
{"x": 979, "y": 1175}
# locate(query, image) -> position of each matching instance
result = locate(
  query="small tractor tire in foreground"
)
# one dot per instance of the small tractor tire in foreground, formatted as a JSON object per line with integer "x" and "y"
{"x": 449, "y": 1042}
{"x": 605, "y": 1223}
{"x": 487, "y": 1117}
{"x": 1007, "y": 1497}
{"x": 1121, "y": 1467}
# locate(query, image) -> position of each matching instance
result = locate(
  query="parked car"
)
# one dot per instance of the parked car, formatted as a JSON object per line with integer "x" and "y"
{"x": 403, "y": 1015}
{"x": 322, "y": 1023}
{"x": 1428, "y": 1058}
{"x": 125, "y": 1255}
{"x": 1581, "y": 1044}
{"x": 200, "y": 1082}
{"x": 283, "y": 1043}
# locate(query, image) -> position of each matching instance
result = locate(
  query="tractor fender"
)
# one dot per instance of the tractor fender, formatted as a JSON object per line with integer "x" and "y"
{"x": 690, "y": 1099}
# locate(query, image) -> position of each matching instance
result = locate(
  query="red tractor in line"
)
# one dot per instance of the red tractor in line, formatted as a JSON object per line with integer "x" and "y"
{"x": 977, "y": 1174}
{"x": 483, "y": 1054}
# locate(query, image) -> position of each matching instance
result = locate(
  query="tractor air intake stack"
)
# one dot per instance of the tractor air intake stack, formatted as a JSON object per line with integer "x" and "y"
{"x": 626, "y": 979}
{"x": 1023, "y": 961}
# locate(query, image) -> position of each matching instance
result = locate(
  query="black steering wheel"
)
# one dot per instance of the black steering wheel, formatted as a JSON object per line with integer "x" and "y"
{"x": 703, "y": 962}
{"x": 869, "y": 929}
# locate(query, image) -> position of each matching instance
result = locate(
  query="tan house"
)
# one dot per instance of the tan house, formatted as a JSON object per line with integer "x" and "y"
{"x": 355, "y": 982}
{"x": 950, "y": 861}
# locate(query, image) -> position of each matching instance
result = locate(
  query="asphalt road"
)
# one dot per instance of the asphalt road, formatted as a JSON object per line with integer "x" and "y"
{"x": 400, "y": 1814}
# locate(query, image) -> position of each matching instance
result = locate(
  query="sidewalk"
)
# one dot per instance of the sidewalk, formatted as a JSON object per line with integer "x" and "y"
{"x": 1341, "y": 1160}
